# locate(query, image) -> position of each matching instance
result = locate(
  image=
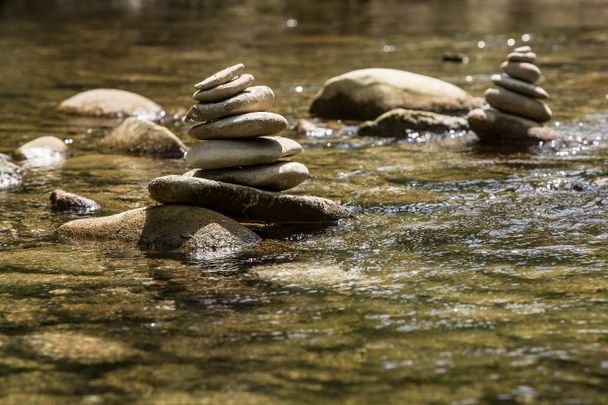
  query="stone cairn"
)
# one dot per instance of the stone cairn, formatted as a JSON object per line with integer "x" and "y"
{"x": 238, "y": 166}
{"x": 517, "y": 111}
{"x": 235, "y": 127}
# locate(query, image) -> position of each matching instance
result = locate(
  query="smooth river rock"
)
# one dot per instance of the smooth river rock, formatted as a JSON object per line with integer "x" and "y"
{"x": 511, "y": 102}
{"x": 166, "y": 227}
{"x": 64, "y": 201}
{"x": 224, "y": 91}
{"x": 529, "y": 57}
{"x": 398, "y": 122}
{"x": 278, "y": 176}
{"x": 240, "y": 126}
{"x": 519, "y": 86}
{"x": 43, "y": 149}
{"x": 522, "y": 49}
{"x": 365, "y": 94}
{"x": 110, "y": 103}
{"x": 218, "y": 154}
{"x": 245, "y": 203}
{"x": 495, "y": 126}
{"x": 221, "y": 77}
{"x": 256, "y": 98}
{"x": 141, "y": 137}
{"x": 521, "y": 70}
{"x": 10, "y": 175}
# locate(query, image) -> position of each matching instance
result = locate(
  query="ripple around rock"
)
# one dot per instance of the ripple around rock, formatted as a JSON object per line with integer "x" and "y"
{"x": 519, "y": 86}
{"x": 221, "y": 77}
{"x": 185, "y": 228}
{"x": 240, "y": 126}
{"x": 399, "y": 121}
{"x": 365, "y": 94}
{"x": 511, "y": 102}
{"x": 494, "y": 126}
{"x": 140, "y": 137}
{"x": 64, "y": 201}
{"x": 522, "y": 70}
{"x": 278, "y": 176}
{"x": 245, "y": 203}
{"x": 43, "y": 149}
{"x": 256, "y": 98}
{"x": 110, "y": 103}
{"x": 10, "y": 175}
{"x": 219, "y": 154}
{"x": 224, "y": 91}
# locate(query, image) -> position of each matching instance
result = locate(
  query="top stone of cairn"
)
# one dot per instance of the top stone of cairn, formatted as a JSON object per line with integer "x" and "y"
{"x": 221, "y": 77}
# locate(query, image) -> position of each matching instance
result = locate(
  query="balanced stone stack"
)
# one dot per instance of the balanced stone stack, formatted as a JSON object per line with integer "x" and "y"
{"x": 517, "y": 110}
{"x": 238, "y": 163}
{"x": 239, "y": 145}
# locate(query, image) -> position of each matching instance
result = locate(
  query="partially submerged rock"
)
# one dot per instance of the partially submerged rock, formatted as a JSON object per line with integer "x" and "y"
{"x": 64, "y": 201}
{"x": 141, "y": 137}
{"x": 367, "y": 93}
{"x": 494, "y": 126}
{"x": 110, "y": 103}
{"x": 166, "y": 227}
{"x": 399, "y": 121}
{"x": 245, "y": 203}
{"x": 10, "y": 175}
{"x": 42, "y": 150}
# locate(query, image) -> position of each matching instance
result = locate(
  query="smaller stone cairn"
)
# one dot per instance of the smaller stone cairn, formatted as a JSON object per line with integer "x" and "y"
{"x": 517, "y": 109}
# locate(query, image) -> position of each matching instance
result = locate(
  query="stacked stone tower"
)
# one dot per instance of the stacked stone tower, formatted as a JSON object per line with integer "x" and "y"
{"x": 517, "y": 109}
{"x": 238, "y": 136}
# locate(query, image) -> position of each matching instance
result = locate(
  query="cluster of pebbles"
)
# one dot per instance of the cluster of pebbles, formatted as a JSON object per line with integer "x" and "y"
{"x": 517, "y": 110}
{"x": 238, "y": 142}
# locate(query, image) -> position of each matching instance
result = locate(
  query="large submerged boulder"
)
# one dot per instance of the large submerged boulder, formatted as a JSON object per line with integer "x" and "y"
{"x": 165, "y": 227}
{"x": 141, "y": 137}
{"x": 10, "y": 174}
{"x": 398, "y": 122}
{"x": 110, "y": 103}
{"x": 245, "y": 203}
{"x": 365, "y": 94}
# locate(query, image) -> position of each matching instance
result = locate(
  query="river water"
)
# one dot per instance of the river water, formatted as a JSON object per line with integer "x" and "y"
{"x": 470, "y": 274}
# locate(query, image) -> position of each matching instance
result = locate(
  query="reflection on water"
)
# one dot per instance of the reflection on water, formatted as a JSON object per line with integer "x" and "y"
{"x": 470, "y": 275}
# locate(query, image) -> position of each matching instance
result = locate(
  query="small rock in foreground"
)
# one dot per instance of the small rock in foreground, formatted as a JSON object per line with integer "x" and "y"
{"x": 185, "y": 228}
{"x": 64, "y": 201}
{"x": 110, "y": 103}
{"x": 397, "y": 122}
{"x": 141, "y": 137}
{"x": 245, "y": 203}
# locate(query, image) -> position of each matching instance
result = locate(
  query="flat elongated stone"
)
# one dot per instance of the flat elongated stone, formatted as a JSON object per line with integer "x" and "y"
{"x": 510, "y": 102}
{"x": 224, "y": 91}
{"x": 523, "y": 49}
{"x": 519, "y": 86}
{"x": 245, "y": 203}
{"x": 64, "y": 201}
{"x": 221, "y": 77}
{"x": 522, "y": 70}
{"x": 493, "y": 126}
{"x": 240, "y": 126}
{"x": 110, "y": 103}
{"x": 219, "y": 154}
{"x": 256, "y": 98}
{"x": 529, "y": 57}
{"x": 278, "y": 176}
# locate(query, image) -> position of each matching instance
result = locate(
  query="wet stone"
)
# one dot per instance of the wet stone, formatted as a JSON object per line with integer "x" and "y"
{"x": 240, "y": 126}
{"x": 224, "y": 91}
{"x": 44, "y": 148}
{"x": 494, "y": 126}
{"x": 64, "y": 201}
{"x": 221, "y": 77}
{"x": 10, "y": 175}
{"x": 256, "y": 98}
{"x": 397, "y": 123}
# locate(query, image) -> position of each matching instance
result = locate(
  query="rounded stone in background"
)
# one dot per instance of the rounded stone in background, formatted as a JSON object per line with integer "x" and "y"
{"x": 219, "y": 154}
{"x": 221, "y": 77}
{"x": 256, "y": 98}
{"x": 110, "y": 103}
{"x": 64, "y": 201}
{"x": 45, "y": 148}
{"x": 240, "y": 126}
{"x": 278, "y": 176}
{"x": 519, "y": 86}
{"x": 226, "y": 90}
{"x": 522, "y": 70}
{"x": 510, "y": 102}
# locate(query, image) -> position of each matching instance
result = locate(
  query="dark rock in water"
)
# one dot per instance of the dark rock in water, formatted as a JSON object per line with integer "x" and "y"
{"x": 166, "y": 227}
{"x": 398, "y": 121}
{"x": 495, "y": 126}
{"x": 64, "y": 201}
{"x": 140, "y": 137}
{"x": 10, "y": 175}
{"x": 245, "y": 203}
{"x": 455, "y": 57}
{"x": 110, "y": 103}
{"x": 367, "y": 93}
{"x": 42, "y": 151}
